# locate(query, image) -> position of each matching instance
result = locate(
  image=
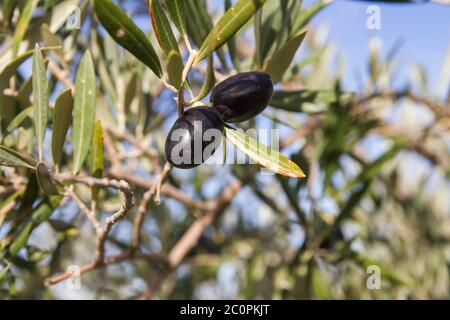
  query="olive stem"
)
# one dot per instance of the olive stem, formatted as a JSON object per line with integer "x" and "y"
{"x": 180, "y": 102}
{"x": 200, "y": 103}
{"x": 169, "y": 86}
{"x": 188, "y": 44}
{"x": 180, "y": 99}
{"x": 188, "y": 66}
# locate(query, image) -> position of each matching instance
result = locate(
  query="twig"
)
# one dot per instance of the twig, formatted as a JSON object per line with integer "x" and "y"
{"x": 127, "y": 204}
{"x": 128, "y": 255}
{"x": 166, "y": 189}
{"x": 152, "y": 193}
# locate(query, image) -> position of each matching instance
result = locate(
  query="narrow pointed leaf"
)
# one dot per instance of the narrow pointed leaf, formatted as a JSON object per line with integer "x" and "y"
{"x": 10, "y": 69}
{"x": 199, "y": 23}
{"x": 123, "y": 30}
{"x": 308, "y": 13}
{"x": 263, "y": 155}
{"x": 21, "y": 239}
{"x": 162, "y": 28}
{"x": 84, "y": 111}
{"x": 23, "y": 23}
{"x": 45, "y": 209}
{"x": 97, "y": 150}
{"x": 231, "y": 44}
{"x": 177, "y": 13}
{"x": 209, "y": 81}
{"x": 17, "y": 121}
{"x": 29, "y": 161}
{"x": 230, "y": 23}
{"x": 11, "y": 158}
{"x": 97, "y": 156}
{"x": 40, "y": 98}
{"x": 175, "y": 68}
{"x": 62, "y": 118}
{"x": 45, "y": 179}
{"x": 277, "y": 65}
{"x": 295, "y": 100}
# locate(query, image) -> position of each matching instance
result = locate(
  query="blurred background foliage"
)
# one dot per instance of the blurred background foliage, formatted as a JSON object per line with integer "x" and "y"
{"x": 377, "y": 166}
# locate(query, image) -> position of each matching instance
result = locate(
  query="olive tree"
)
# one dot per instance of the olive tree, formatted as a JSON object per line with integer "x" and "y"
{"x": 352, "y": 197}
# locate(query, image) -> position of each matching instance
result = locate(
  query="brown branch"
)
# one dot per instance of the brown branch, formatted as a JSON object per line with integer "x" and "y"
{"x": 127, "y": 204}
{"x": 152, "y": 193}
{"x": 128, "y": 255}
{"x": 166, "y": 189}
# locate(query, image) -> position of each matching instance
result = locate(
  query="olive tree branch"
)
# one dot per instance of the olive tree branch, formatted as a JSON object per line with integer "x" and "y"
{"x": 127, "y": 204}
{"x": 152, "y": 193}
{"x": 118, "y": 258}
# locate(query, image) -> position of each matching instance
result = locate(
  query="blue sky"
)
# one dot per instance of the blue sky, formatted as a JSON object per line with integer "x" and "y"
{"x": 423, "y": 28}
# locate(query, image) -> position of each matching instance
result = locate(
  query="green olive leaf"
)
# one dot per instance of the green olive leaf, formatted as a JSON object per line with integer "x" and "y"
{"x": 230, "y": 23}
{"x": 277, "y": 65}
{"x": 177, "y": 13}
{"x": 21, "y": 239}
{"x": 12, "y": 158}
{"x": 123, "y": 30}
{"x": 40, "y": 98}
{"x": 97, "y": 150}
{"x": 23, "y": 23}
{"x": 175, "y": 68}
{"x": 307, "y": 14}
{"x": 162, "y": 28}
{"x": 263, "y": 155}
{"x": 9, "y": 70}
{"x": 62, "y": 118}
{"x": 199, "y": 23}
{"x": 84, "y": 110}
{"x": 97, "y": 156}
{"x": 295, "y": 101}
{"x": 17, "y": 121}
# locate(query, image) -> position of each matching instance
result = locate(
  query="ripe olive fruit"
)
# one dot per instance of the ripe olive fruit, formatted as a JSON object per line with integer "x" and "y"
{"x": 243, "y": 96}
{"x": 194, "y": 137}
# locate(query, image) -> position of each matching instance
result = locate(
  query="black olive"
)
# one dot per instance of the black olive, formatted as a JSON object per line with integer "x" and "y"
{"x": 243, "y": 96}
{"x": 192, "y": 140}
